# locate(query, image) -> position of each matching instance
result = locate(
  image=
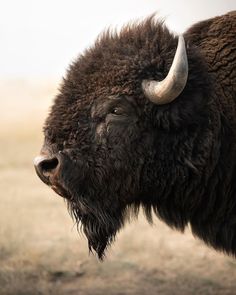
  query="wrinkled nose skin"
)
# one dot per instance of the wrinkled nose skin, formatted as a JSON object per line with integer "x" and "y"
{"x": 46, "y": 167}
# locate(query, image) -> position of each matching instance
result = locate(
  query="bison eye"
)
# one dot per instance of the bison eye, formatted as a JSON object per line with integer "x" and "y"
{"x": 116, "y": 111}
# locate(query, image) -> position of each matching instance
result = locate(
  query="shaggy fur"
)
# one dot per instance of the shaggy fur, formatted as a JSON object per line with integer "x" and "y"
{"x": 119, "y": 152}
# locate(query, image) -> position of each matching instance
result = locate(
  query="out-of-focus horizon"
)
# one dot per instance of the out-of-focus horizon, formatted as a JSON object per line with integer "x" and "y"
{"x": 40, "y": 38}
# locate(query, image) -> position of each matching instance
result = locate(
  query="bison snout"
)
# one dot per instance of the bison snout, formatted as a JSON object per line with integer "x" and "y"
{"x": 46, "y": 167}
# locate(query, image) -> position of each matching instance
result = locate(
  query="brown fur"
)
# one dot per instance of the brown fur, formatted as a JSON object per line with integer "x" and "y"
{"x": 177, "y": 159}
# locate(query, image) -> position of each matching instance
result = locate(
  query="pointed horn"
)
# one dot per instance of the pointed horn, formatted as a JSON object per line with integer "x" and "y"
{"x": 168, "y": 89}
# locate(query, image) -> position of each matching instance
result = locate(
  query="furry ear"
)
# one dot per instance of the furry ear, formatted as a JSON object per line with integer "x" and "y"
{"x": 190, "y": 107}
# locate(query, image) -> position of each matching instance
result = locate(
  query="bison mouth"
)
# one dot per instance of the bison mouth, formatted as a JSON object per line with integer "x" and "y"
{"x": 97, "y": 217}
{"x": 48, "y": 169}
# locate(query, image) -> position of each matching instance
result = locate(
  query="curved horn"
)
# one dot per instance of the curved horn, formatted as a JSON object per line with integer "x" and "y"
{"x": 168, "y": 89}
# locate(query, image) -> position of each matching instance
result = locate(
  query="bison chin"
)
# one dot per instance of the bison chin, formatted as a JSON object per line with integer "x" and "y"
{"x": 100, "y": 225}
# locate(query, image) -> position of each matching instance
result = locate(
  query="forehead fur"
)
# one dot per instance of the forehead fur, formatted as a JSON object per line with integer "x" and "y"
{"x": 119, "y": 61}
{"x": 116, "y": 64}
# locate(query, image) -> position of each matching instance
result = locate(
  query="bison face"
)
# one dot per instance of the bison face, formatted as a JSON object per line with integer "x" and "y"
{"x": 94, "y": 159}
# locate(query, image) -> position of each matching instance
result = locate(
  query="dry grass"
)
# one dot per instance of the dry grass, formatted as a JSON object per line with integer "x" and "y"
{"x": 40, "y": 250}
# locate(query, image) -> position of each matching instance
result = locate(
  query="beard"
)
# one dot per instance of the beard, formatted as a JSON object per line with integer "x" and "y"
{"x": 99, "y": 224}
{"x": 96, "y": 208}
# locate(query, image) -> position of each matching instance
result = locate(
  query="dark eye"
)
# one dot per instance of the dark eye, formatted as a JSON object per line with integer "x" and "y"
{"x": 116, "y": 111}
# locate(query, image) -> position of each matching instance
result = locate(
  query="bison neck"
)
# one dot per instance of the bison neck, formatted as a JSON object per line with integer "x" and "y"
{"x": 191, "y": 179}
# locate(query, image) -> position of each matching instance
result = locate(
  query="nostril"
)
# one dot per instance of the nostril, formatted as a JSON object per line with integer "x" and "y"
{"x": 46, "y": 167}
{"x": 48, "y": 164}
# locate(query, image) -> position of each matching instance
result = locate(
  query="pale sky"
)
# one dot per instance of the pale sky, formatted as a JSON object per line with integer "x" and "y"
{"x": 40, "y": 38}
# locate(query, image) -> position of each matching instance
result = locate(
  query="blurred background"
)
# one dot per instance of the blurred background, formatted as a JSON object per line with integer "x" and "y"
{"x": 40, "y": 250}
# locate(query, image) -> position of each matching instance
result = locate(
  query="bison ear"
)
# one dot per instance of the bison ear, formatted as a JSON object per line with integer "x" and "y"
{"x": 165, "y": 91}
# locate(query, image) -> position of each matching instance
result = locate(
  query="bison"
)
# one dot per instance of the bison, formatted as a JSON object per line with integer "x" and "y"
{"x": 138, "y": 123}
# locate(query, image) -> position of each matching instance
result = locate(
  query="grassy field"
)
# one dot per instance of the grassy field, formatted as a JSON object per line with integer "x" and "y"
{"x": 40, "y": 249}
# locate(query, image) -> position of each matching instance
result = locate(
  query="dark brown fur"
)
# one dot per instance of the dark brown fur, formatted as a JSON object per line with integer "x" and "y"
{"x": 176, "y": 159}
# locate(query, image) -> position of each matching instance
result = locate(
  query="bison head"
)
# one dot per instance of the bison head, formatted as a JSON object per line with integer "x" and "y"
{"x": 116, "y": 138}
